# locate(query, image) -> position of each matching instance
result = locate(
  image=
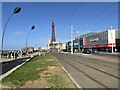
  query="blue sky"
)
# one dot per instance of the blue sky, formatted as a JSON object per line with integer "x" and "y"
{"x": 84, "y": 16}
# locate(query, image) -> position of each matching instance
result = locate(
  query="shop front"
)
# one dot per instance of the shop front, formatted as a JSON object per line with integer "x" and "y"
{"x": 103, "y": 41}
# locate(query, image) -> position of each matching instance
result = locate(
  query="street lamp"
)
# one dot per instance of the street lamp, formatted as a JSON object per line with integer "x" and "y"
{"x": 32, "y": 28}
{"x": 72, "y": 39}
{"x": 16, "y": 10}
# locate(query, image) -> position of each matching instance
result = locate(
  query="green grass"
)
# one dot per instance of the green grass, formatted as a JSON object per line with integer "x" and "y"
{"x": 29, "y": 71}
{"x": 55, "y": 81}
{"x": 33, "y": 69}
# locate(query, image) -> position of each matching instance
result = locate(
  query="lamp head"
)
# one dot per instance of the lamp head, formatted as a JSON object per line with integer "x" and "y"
{"x": 33, "y": 27}
{"x": 17, "y": 10}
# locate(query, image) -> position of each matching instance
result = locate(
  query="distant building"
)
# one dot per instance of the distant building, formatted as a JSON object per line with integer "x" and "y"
{"x": 101, "y": 41}
{"x": 29, "y": 49}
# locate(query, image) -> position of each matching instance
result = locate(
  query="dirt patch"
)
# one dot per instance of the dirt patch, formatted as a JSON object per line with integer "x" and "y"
{"x": 9, "y": 86}
{"x": 40, "y": 83}
{"x": 50, "y": 71}
{"x": 50, "y": 60}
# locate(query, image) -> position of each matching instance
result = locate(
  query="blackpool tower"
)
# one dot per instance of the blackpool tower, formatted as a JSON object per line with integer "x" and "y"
{"x": 53, "y": 39}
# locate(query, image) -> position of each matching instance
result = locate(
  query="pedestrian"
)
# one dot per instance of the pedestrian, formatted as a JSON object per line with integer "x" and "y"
{"x": 6, "y": 54}
{"x": 16, "y": 55}
{"x": 13, "y": 54}
{"x": 9, "y": 54}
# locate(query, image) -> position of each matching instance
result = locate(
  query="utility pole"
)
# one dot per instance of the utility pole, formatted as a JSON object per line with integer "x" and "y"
{"x": 111, "y": 37}
{"x": 71, "y": 39}
{"x": 111, "y": 27}
{"x": 78, "y": 40}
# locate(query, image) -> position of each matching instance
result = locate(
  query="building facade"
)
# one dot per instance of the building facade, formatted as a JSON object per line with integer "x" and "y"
{"x": 102, "y": 41}
{"x": 106, "y": 41}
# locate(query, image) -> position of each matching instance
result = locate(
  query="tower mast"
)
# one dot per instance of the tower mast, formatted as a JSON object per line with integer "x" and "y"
{"x": 53, "y": 33}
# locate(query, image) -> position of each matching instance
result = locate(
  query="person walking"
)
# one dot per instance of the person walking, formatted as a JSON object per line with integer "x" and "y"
{"x": 9, "y": 54}
{"x": 16, "y": 54}
{"x": 13, "y": 54}
{"x": 6, "y": 55}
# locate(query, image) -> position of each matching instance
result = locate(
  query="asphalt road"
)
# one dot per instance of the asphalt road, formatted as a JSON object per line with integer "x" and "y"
{"x": 116, "y": 56}
{"x": 6, "y": 66}
{"x": 90, "y": 73}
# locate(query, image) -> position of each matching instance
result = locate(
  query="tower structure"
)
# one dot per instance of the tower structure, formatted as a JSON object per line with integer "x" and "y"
{"x": 53, "y": 39}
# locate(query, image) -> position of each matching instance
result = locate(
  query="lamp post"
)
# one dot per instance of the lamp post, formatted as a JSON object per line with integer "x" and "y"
{"x": 71, "y": 39}
{"x": 112, "y": 38}
{"x": 32, "y": 28}
{"x": 16, "y": 10}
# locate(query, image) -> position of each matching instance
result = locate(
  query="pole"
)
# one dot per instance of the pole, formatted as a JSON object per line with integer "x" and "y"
{"x": 71, "y": 39}
{"x": 78, "y": 41}
{"x": 3, "y": 34}
{"x": 111, "y": 27}
{"x": 27, "y": 40}
{"x": 111, "y": 37}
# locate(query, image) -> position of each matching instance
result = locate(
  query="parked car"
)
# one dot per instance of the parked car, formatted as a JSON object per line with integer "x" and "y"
{"x": 95, "y": 51}
{"x": 87, "y": 52}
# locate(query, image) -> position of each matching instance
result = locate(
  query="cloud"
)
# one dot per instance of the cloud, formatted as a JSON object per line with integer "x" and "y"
{"x": 18, "y": 33}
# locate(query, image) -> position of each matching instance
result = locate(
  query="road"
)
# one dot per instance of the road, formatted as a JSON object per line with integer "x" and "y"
{"x": 6, "y": 66}
{"x": 88, "y": 72}
{"x": 116, "y": 56}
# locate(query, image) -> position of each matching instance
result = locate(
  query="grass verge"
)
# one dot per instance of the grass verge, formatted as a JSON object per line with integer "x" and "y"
{"x": 41, "y": 71}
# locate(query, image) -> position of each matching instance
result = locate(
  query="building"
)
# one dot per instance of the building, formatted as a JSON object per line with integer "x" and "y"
{"x": 117, "y": 40}
{"x": 106, "y": 41}
{"x": 103, "y": 41}
{"x": 77, "y": 45}
{"x": 28, "y": 49}
{"x": 63, "y": 47}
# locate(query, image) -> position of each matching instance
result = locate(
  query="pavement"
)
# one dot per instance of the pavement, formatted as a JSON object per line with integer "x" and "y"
{"x": 114, "y": 53}
{"x": 89, "y": 72}
{"x": 11, "y": 59}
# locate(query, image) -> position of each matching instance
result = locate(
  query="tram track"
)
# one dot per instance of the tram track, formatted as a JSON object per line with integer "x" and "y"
{"x": 70, "y": 62}
{"x": 93, "y": 67}
{"x": 98, "y": 62}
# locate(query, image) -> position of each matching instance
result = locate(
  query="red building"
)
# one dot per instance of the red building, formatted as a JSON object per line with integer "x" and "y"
{"x": 103, "y": 41}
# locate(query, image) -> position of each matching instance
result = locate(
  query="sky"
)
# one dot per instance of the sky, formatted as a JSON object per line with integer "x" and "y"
{"x": 84, "y": 16}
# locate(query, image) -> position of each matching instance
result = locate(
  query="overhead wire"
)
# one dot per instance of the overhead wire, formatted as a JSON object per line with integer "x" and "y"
{"x": 110, "y": 6}
{"x": 113, "y": 13}
{"x": 98, "y": 14}
{"x": 72, "y": 14}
